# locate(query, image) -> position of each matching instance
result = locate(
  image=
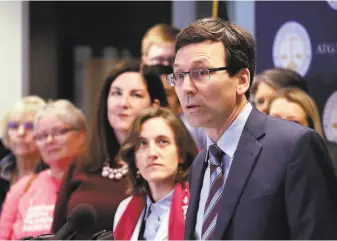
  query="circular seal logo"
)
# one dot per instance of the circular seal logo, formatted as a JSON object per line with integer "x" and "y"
{"x": 330, "y": 118}
{"x": 332, "y": 3}
{"x": 292, "y": 48}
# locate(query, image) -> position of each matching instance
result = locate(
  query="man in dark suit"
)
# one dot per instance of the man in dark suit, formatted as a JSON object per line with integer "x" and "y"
{"x": 259, "y": 177}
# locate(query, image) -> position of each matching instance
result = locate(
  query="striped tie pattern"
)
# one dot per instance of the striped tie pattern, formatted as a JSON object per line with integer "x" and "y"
{"x": 215, "y": 193}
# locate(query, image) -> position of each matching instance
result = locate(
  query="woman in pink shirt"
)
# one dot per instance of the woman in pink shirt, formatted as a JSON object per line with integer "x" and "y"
{"x": 60, "y": 135}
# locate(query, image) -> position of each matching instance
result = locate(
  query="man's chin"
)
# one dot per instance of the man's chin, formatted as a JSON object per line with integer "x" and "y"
{"x": 194, "y": 121}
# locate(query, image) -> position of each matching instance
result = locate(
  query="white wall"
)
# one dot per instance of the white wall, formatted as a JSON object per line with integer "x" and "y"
{"x": 14, "y": 26}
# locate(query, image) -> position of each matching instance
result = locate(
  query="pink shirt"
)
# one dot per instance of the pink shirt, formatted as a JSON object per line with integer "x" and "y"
{"x": 29, "y": 213}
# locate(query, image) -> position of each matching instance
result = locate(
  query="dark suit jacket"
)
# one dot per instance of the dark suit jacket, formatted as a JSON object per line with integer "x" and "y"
{"x": 332, "y": 148}
{"x": 280, "y": 185}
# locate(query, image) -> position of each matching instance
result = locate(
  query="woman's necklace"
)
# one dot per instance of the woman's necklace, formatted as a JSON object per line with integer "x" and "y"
{"x": 114, "y": 173}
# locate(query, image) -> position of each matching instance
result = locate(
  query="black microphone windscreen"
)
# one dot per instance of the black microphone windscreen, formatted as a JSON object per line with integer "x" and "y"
{"x": 106, "y": 236}
{"x": 81, "y": 219}
{"x": 45, "y": 237}
{"x": 26, "y": 238}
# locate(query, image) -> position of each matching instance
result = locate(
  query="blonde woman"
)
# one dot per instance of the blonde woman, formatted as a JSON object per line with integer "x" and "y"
{"x": 17, "y": 134}
{"x": 60, "y": 134}
{"x": 295, "y": 105}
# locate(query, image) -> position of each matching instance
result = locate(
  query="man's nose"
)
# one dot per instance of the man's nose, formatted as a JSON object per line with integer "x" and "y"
{"x": 188, "y": 85}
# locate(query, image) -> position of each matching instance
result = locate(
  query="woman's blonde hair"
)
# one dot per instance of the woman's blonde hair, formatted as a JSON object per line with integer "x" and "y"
{"x": 309, "y": 106}
{"x": 28, "y": 105}
{"x": 65, "y": 111}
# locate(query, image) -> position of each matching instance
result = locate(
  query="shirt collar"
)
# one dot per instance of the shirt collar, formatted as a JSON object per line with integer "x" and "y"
{"x": 229, "y": 140}
{"x": 160, "y": 206}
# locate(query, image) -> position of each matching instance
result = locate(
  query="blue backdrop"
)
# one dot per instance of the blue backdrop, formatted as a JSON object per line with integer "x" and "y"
{"x": 302, "y": 36}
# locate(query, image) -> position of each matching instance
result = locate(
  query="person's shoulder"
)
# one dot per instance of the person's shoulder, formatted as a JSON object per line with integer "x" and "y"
{"x": 290, "y": 136}
{"x": 284, "y": 128}
{"x": 120, "y": 210}
{"x": 272, "y": 128}
{"x": 21, "y": 184}
{"x": 125, "y": 202}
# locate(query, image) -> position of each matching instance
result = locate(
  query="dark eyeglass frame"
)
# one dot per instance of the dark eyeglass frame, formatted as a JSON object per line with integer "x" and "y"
{"x": 170, "y": 77}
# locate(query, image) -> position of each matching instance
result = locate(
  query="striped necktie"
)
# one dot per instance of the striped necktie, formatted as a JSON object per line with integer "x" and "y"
{"x": 215, "y": 193}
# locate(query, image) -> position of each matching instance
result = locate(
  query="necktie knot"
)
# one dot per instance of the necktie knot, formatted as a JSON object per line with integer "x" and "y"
{"x": 217, "y": 153}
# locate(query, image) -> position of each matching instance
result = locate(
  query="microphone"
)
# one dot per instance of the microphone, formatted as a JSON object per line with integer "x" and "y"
{"x": 96, "y": 235}
{"x": 40, "y": 237}
{"x": 79, "y": 221}
{"x": 27, "y": 238}
{"x": 103, "y": 235}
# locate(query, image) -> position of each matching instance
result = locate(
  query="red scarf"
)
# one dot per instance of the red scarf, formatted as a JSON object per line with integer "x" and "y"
{"x": 129, "y": 219}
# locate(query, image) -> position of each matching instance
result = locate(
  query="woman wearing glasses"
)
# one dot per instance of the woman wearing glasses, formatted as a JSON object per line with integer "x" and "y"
{"x": 24, "y": 157}
{"x": 60, "y": 135}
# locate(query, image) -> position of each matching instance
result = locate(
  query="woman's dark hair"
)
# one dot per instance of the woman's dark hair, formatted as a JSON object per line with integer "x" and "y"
{"x": 183, "y": 140}
{"x": 103, "y": 143}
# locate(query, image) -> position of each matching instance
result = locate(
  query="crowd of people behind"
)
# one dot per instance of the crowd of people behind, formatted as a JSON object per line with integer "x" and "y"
{"x": 171, "y": 133}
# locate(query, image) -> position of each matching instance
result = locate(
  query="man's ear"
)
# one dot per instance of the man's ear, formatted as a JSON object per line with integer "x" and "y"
{"x": 243, "y": 81}
{"x": 156, "y": 103}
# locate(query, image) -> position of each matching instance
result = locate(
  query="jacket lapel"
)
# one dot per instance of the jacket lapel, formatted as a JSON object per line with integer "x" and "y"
{"x": 243, "y": 163}
{"x": 195, "y": 182}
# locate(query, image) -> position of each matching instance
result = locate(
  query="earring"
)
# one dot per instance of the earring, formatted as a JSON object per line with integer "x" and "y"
{"x": 138, "y": 174}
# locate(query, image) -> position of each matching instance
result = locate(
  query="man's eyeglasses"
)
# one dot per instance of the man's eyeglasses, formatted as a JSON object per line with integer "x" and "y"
{"x": 55, "y": 133}
{"x": 198, "y": 75}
